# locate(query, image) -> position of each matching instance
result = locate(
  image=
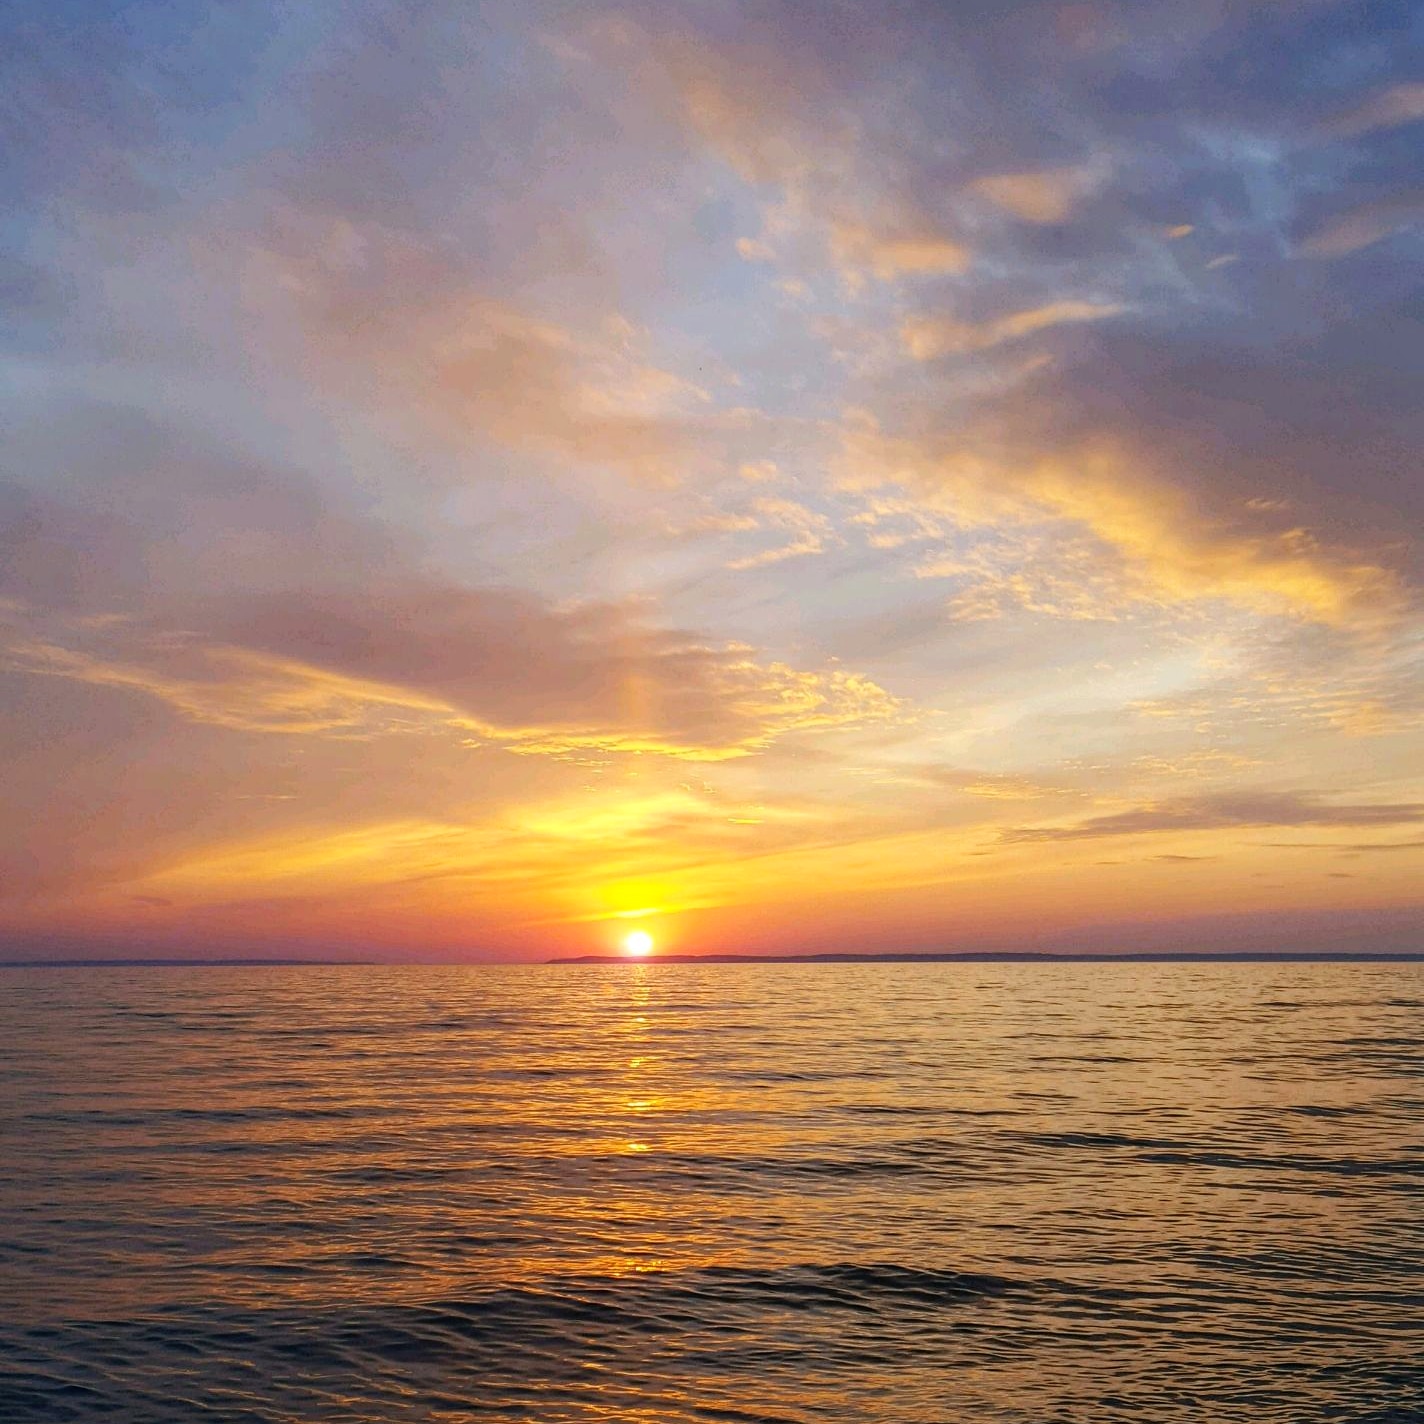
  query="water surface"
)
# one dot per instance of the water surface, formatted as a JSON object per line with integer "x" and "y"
{"x": 891, "y": 1192}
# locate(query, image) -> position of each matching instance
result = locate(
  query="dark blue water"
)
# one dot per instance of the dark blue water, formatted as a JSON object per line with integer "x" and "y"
{"x": 932, "y": 1193}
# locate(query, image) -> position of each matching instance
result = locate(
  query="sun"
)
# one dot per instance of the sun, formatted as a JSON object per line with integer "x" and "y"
{"x": 639, "y": 943}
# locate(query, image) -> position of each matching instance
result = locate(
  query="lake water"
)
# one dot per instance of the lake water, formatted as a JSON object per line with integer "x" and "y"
{"x": 894, "y": 1192}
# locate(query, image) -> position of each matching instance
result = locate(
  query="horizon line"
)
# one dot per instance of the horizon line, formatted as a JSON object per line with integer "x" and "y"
{"x": 829, "y": 957}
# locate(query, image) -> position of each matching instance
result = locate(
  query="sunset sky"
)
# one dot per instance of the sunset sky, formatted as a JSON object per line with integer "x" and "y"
{"x": 483, "y": 478}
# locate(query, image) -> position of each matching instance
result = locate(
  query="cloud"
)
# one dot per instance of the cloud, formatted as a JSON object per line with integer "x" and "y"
{"x": 759, "y": 471}
{"x": 330, "y": 627}
{"x": 387, "y": 315}
{"x": 222, "y": 686}
{"x": 887, "y": 253}
{"x": 114, "y": 510}
{"x": 752, "y": 250}
{"x": 1144, "y": 432}
{"x": 1044, "y": 197}
{"x": 995, "y": 786}
{"x": 1349, "y": 847}
{"x": 1351, "y": 231}
{"x": 771, "y": 111}
{"x": 927, "y": 338}
{"x": 1385, "y": 109}
{"x": 1386, "y": 845}
{"x": 425, "y": 655}
{"x": 1155, "y": 441}
{"x": 810, "y": 532}
{"x": 1224, "y": 811}
{"x": 1161, "y": 548}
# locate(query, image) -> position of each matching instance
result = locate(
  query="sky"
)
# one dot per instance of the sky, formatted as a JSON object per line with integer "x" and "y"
{"x": 482, "y": 478}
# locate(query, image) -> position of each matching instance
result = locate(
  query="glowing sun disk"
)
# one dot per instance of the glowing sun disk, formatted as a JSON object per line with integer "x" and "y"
{"x": 639, "y": 943}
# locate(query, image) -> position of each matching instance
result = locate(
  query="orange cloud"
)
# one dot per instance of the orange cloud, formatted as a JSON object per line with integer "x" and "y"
{"x": 1047, "y": 196}
{"x": 887, "y": 253}
{"x": 927, "y": 338}
{"x": 810, "y": 532}
{"x": 606, "y": 685}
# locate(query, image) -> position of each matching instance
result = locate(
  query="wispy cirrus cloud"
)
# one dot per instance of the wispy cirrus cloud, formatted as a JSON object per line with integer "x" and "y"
{"x": 1356, "y": 228}
{"x": 426, "y": 656}
{"x": 1386, "y": 108}
{"x": 1225, "y": 811}
{"x": 929, "y": 337}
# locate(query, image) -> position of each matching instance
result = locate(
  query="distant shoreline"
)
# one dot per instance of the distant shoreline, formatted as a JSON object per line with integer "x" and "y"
{"x": 1010, "y": 957}
{"x": 965, "y": 957}
{"x": 187, "y": 963}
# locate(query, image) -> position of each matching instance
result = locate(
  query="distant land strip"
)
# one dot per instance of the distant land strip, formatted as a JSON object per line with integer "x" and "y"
{"x": 182, "y": 963}
{"x": 1012, "y": 957}
{"x": 965, "y": 957}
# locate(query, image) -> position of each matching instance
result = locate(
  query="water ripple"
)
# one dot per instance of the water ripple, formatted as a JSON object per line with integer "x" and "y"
{"x": 889, "y": 1194}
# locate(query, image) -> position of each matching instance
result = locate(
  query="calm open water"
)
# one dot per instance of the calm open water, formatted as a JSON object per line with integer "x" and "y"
{"x": 661, "y": 1193}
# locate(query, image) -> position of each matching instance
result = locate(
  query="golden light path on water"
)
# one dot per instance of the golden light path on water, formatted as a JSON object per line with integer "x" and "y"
{"x": 904, "y": 1194}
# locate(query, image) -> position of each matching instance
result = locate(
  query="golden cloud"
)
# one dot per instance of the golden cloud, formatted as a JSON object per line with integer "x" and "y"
{"x": 1168, "y": 552}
